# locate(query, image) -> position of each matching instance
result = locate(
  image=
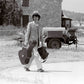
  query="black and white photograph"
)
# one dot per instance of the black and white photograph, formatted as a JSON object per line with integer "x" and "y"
{"x": 41, "y": 41}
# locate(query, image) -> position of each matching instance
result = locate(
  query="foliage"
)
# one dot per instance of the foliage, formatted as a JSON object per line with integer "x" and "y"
{"x": 11, "y": 13}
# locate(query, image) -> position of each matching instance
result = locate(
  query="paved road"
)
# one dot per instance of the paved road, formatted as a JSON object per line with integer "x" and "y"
{"x": 55, "y": 73}
{"x": 63, "y": 71}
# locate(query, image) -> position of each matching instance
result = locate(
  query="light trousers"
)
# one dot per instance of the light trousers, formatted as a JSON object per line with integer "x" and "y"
{"x": 35, "y": 56}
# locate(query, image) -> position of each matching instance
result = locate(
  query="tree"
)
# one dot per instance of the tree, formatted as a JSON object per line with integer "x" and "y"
{"x": 11, "y": 13}
{"x": 2, "y": 6}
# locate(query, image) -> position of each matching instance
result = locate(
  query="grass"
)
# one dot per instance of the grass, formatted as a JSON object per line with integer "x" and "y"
{"x": 9, "y": 27}
{"x": 9, "y": 50}
{"x": 10, "y": 30}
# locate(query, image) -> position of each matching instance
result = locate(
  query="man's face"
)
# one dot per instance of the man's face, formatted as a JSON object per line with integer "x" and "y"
{"x": 36, "y": 18}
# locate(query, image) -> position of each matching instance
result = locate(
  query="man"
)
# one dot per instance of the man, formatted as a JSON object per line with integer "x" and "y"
{"x": 67, "y": 35}
{"x": 31, "y": 35}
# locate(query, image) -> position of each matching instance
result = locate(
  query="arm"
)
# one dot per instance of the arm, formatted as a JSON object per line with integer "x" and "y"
{"x": 41, "y": 37}
{"x": 27, "y": 35}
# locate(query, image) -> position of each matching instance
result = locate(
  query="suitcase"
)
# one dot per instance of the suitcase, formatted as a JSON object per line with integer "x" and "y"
{"x": 43, "y": 53}
{"x": 26, "y": 53}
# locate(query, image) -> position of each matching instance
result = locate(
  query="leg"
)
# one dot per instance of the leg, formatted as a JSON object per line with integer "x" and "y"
{"x": 29, "y": 64}
{"x": 38, "y": 62}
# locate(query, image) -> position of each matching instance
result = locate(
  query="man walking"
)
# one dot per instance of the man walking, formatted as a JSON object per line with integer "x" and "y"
{"x": 33, "y": 34}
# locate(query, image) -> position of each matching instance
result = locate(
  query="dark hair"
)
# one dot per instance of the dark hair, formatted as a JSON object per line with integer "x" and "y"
{"x": 36, "y": 15}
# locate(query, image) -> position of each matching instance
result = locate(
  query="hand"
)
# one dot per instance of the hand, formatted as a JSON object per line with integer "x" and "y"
{"x": 25, "y": 46}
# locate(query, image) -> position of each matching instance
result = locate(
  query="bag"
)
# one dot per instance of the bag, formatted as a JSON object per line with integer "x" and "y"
{"x": 24, "y": 58}
{"x": 43, "y": 53}
{"x": 25, "y": 54}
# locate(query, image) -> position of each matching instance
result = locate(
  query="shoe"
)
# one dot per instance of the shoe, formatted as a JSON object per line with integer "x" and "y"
{"x": 40, "y": 70}
{"x": 27, "y": 69}
{"x": 44, "y": 61}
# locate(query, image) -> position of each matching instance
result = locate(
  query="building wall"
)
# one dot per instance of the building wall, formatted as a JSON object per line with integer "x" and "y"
{"x": 50, "y": 11}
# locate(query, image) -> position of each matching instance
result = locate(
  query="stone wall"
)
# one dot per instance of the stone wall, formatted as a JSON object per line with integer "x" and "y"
{"x": 50, "y": 11}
